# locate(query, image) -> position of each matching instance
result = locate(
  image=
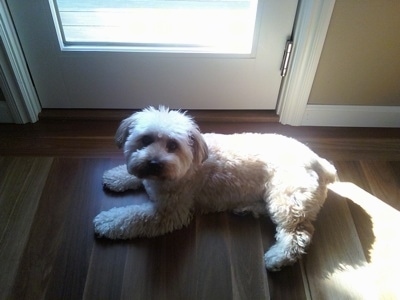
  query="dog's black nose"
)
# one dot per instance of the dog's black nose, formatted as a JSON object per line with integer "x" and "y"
{"x": 154, "y": 166}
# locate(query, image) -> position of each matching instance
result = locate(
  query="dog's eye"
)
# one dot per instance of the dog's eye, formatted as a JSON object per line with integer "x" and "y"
{"x": 172, "y": 146}
{"x": 146, "y": 140}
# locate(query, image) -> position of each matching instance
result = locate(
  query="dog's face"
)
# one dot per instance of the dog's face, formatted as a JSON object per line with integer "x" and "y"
{"x": 160, "y": 144}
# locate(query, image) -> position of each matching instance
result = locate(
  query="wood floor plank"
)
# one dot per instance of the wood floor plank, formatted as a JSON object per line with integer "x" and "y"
{"x": 77, "y": 230}
{"x": 381, "y": 271}
{"x": 78, "y": 147}
{"x": 382, "y": 181}
{"x": 144, "y": 273}
{"x": 338, "y": 149}
{"x": 160, "y": 267}
{"x": 335, "y": 250}
{"x": 178, "y": 262}
{"x": 213, "y": 258}
{"x": 105, "y": 270}
{"x": 288, "y": 283}
{"x": 49, "y": 255}
{"x": 376, "y": 220}
{"x": 21, "y": 184}
{"x": 249, "y": 276}
{"x": 352, "y": 171}
{"x": 109, "y": 260}
{"x": 36, "y": 267}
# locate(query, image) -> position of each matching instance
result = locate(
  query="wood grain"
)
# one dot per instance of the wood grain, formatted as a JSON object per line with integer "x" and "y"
{"x": 382, "y": 267}
{"x": 21, "y": 184}
{"x": 50, "y": 191}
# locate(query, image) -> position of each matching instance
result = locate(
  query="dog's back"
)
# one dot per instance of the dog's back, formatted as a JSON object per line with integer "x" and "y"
{"x": 240, "y": 166}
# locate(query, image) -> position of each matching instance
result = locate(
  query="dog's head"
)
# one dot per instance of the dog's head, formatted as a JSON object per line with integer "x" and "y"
{"x": 161, "y": 144}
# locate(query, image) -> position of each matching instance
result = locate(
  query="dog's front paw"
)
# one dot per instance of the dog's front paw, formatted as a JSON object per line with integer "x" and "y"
{"x": 119, "y": 180}
{"x": 109, "y": 224}
{"x": 125, "y": 222}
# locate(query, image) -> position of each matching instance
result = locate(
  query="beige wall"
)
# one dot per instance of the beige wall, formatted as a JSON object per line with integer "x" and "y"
{"x": 360, "y": 61}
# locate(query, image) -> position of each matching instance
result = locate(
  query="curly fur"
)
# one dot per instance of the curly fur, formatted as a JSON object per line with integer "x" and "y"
{"x": 185, "y": 172}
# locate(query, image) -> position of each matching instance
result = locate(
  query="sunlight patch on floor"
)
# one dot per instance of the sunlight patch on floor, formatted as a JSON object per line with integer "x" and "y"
{"x": 380, "y": 276}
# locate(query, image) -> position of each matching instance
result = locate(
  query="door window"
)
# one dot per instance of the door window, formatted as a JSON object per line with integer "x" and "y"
{"x": 212, "y": 26}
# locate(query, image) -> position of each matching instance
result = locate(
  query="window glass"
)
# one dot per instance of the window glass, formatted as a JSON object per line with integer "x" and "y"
{"x": 163, "y": 25}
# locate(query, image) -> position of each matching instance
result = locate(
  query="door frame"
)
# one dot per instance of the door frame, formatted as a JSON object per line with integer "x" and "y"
{"x": 311, "y": 25}
{"x": 16, "y": 83}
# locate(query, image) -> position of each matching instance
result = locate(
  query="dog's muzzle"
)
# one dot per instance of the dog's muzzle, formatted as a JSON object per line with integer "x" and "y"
{"x": 155, "y": 166}
{"x": 152, "y": 168}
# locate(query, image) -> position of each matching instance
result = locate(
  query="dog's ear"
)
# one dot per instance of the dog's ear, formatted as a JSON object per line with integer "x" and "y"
{"x": 123, "y": 130}
{"x": 199, "y": 146}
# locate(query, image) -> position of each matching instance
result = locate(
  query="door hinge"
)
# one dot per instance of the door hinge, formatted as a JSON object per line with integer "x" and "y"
{"x": 286, "y": 57}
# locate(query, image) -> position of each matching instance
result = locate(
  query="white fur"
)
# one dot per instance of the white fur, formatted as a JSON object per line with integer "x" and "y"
{"x": 184, "y": 171}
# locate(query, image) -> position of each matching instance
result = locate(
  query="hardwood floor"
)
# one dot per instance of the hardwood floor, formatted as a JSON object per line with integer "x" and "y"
{"x": 50, "y": 191}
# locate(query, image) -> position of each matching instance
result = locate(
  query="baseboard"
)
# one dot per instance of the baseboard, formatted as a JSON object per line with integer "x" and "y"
{"x": 351, "y": 116}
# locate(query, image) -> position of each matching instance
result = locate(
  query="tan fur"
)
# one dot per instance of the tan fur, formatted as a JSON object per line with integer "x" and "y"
{"x": 184, "y": 172}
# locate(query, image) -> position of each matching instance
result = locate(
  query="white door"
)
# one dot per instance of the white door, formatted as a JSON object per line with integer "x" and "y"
{"x": 103, "y": 74}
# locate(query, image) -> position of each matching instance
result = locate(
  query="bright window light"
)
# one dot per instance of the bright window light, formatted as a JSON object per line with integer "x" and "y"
{"x": 212, "y": 26}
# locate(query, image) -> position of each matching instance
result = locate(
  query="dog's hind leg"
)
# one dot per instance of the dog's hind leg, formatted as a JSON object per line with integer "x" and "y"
{"x": 293, "y": 201}
{"x": 290, "y": 245}
{"x": 119, "y": 180}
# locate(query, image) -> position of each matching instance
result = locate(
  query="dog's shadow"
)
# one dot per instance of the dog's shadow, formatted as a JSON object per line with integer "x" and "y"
{"x": 343, "y": 237}
{"x": 343, "y": 241}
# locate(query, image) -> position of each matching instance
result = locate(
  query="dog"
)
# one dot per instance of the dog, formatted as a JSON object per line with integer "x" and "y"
{"x": 184, "y": 171}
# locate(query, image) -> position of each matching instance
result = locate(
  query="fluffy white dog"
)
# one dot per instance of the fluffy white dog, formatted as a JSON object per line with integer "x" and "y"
{"x": 184, "y": 171}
